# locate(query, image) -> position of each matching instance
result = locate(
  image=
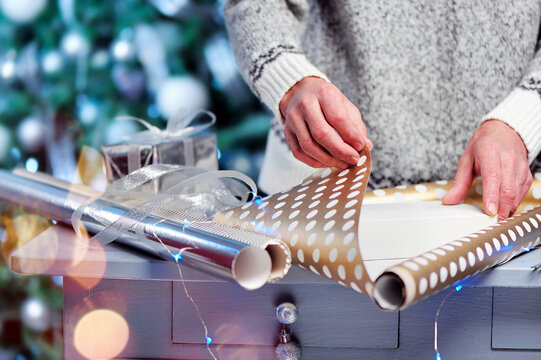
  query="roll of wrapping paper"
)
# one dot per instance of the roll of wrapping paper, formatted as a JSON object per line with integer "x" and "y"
{"x": 436, "y": 190}
{"x": 432, "y": 271}
{"x": 235, "y": 254}
{"x": 319, "y": 219}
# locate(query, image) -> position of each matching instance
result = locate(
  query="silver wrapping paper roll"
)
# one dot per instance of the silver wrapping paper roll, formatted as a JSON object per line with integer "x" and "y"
{"x": 247, "y": 258}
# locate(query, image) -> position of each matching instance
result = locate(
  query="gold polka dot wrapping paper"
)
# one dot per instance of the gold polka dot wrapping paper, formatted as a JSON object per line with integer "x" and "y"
{"x": 441, "y": 267}
{"x": 436, "y": 190}
{"x": 319, "y": 219}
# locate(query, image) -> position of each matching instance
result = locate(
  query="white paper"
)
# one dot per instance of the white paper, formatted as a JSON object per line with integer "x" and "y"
{"x": 391, "y": 233}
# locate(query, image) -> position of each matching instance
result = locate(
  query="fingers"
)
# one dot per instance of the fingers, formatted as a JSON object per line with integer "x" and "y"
{"x": 462, "y": 182}
{"x": 298, "y": 153}
{"x": 326, "y": 136}
{"x": 296, "y": 125}
{"x": 504, "y": 186}
{"x": 321, "y": 125}
{"x": 341, "y": 117}
{"x": 507, "y": 192}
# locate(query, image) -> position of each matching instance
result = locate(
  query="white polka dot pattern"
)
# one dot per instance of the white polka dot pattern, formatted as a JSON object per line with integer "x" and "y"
{"x": 319, "y": 217}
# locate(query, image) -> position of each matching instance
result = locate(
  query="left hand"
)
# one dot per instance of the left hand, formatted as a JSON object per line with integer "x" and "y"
{"x": 497, "y": 154}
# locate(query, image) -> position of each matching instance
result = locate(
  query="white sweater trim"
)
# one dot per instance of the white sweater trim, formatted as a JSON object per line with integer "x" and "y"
{"x": 280, "y": 75}
{"x": 521, "y": 110}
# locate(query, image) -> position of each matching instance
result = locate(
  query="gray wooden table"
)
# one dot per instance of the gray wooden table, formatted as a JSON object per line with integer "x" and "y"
{"x": 495, "y": 316}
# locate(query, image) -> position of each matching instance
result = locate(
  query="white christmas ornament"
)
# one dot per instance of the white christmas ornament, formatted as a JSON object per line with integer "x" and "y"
{"x": 100, "y": 59}
{"x": 22, "y": 11}
{"x": 5, "y": 143}
{"x": 181, "y": 92}
{"x": 88, "y": 112}
{"x": 123, "y": 50}
{"x": 35, "y": 314}
{"x": 170, "y": 7}
{"x": 52, "y": 62}
{"x": 74, "y": 44}
{"x": 31, "y": 133}
{"x": 8, "y": 70}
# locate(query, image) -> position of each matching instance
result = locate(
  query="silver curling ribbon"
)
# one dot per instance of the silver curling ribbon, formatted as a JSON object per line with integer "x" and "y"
{"x": 249, "y": 259}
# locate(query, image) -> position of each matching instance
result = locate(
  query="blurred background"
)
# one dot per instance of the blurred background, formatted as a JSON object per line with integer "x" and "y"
{"x": 67, "y": 69}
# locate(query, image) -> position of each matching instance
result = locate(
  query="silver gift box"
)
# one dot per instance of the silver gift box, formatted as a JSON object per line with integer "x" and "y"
{"x": 198, "y": 150}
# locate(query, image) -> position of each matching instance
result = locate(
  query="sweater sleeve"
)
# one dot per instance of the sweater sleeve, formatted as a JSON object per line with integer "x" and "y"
{"x": 521, "y": 109}
{"x": 266, "y": 41}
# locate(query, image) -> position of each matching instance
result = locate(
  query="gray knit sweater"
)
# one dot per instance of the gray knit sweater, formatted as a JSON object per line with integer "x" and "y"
{"x": 424, "y": 74}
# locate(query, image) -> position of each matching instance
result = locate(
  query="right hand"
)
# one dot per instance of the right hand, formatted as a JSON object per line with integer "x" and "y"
{"x": 322, "y": 127}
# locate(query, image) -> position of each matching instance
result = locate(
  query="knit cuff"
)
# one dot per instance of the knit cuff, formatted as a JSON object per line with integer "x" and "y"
{"x": 522, "y": 111}
{"x": 280, "y": 75}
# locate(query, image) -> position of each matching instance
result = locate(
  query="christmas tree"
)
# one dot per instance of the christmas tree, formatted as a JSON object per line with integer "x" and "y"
{"x": 67, "y": 69}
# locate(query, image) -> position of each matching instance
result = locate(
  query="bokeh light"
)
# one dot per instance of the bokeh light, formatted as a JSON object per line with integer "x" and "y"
{"x": 32, "y": 165}
{"x": 89, "y": 260}
{"x": 101, "y": 334}
{"x": 227, "y": 334}
{"x": 21, "y": 230}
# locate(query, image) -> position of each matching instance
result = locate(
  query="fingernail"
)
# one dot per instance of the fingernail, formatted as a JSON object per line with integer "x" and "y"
{"x": 343, "y": 165}
{"x": 354, "y": 159}
{"x": 492, "y": 209}
{"x": 358, "y": 146}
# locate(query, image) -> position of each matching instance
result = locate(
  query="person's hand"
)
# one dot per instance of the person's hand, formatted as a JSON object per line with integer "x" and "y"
{"x": 497, "y": 154}
{"x": 322, "y": 127}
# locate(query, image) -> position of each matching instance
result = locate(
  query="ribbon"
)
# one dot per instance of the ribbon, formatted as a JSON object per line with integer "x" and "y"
{"x": 177, "y": 127}
{"x": 123, "y": 191}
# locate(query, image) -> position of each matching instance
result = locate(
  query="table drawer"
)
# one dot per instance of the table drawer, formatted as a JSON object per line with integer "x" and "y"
{"x": 329, "y": 315}
{"x": 516, "y": 319}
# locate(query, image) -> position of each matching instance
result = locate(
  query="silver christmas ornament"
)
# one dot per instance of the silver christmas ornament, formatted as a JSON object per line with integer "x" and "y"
{"x": 35, "y": 314}
{"x": 287, "y": 349}
{"x": 286, "y": 313}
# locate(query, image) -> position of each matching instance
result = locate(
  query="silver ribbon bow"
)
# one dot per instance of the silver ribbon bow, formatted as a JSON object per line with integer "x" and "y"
{"x": 177, "y": 126}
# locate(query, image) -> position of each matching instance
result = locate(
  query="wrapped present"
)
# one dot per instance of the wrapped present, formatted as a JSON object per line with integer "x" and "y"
{"x": 179, "y": 144}
{"x": 395, "y": 252}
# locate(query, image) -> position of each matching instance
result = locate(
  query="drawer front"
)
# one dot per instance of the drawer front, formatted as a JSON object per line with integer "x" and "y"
{"x": 516, "y": 319}
{"x": 330, "y": 315}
